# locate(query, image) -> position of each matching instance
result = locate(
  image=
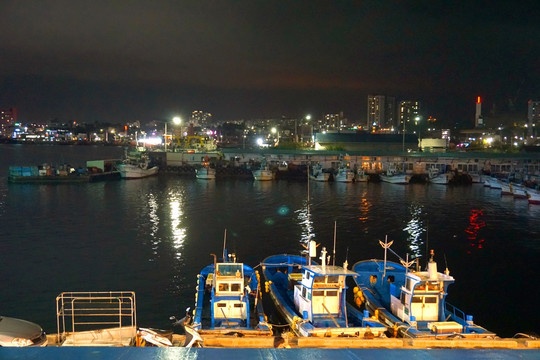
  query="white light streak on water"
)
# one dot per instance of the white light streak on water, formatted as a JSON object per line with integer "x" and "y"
{"x": 306, "y": 224}
{"x": 178, "y": 232}
{"x": 414, "y": 230}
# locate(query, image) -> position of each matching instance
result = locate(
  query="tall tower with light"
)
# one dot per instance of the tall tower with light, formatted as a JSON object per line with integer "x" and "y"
{"x": 478, "y": 119}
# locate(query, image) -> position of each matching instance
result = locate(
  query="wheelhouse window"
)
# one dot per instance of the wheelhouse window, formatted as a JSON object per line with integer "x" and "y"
{"x": 230, "y": 269}
{"x": 223, "y": 286}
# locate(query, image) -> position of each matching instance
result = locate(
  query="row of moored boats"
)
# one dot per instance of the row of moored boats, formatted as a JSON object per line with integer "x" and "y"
{"x": 312, "y": 298}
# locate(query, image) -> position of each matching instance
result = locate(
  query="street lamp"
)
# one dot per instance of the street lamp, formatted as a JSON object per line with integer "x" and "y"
{"x": 176, "y": 121}
{"x": 416, "y": 120}
{"x": 275, "y": 131}
{"x": 403, "y": 145}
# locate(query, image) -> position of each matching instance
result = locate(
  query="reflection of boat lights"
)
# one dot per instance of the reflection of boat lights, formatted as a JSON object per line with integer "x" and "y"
{"x": 154, "y": 221}
{"x": 305, "y": 222}
{"x": 475, "y": 224}
{"x": 365, "y": 205}
{"x": 179, "y": 233}
{"x": 415, "y": 229}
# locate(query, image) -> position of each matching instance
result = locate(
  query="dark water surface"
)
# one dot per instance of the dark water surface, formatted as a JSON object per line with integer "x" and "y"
{"x": 152, "y": 236}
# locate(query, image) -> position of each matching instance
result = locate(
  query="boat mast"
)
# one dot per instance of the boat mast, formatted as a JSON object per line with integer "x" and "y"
{"x": 224, "y": 245}
{"x": 335, "y": 229}
{"x": 385, "y": 245}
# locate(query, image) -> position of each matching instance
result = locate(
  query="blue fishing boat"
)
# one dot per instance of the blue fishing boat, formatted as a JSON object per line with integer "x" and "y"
{"x": 412, "y": 303}
{"x": 228, "y": 300}
{"x": 311, "y": 298}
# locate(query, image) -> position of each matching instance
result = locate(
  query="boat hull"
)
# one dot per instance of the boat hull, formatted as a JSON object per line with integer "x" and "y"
{"x": 396, "y": 179}
{"x": 263, "y": 175}
{"x": 130, "y": 172}
{"x": 205, "y": 174}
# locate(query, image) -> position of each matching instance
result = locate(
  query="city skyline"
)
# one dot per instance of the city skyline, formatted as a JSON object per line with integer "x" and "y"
{"x": 116, "y": 62}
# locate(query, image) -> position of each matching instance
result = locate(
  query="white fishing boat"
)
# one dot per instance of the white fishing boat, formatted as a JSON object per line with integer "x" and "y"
{"x": 137, "y": 165}
{"x": 317, "y": 173}
{"x": 393, "y": 176}
{"x": 476, "y": 178}
{"x": 518, "y": 191}
{"x": 344, "y": 173}
{"x": 436, "y": 177}
{"x": 263, "y": 173}
{"x": 505, "y": 187}
{"x": 205, "y": 172}
{"x": 492, "y": 182}
{"x": 361, "y": 176}
{"x": 533, "y": 195}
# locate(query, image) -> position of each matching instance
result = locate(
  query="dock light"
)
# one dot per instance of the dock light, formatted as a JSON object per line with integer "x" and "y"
{"x": 259, "y": 141}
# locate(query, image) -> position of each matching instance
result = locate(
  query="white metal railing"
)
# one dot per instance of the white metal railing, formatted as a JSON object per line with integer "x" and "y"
{"x": 92, "y": 312}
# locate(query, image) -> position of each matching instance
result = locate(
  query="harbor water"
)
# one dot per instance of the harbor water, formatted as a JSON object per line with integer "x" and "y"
{"x": 153, "y": 235}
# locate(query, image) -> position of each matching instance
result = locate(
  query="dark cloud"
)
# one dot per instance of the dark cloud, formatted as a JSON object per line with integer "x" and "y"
{"x": 117, "y": 60}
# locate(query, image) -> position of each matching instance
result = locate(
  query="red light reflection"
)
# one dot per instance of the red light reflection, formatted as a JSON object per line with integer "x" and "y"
{"x": 475, "y": 224}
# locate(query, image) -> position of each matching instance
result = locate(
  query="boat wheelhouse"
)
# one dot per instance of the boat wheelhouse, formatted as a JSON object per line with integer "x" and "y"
{"x": 312, "y": 299}
{"x": 413, "y": 303}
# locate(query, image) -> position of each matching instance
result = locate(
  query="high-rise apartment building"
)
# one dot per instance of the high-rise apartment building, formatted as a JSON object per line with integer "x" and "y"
{"x": 381, "y": 112}
{"x": 8, "y": 117}
{"x": 533, "y": 115}
{"x": 408, "y": 111}
{"x": 333, "y": 122}
{"x": 201, "y": 118}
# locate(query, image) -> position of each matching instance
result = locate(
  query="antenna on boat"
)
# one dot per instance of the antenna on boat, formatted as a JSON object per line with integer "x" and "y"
{"x": 446, "y": 271}
{"x": 427, "y": 241}
{"x": 224, "y": 246}
{"x": 335, "y": 230}
{"x": 386, "y": 245}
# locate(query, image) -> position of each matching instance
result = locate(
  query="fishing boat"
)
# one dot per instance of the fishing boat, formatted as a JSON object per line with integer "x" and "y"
{"x": 344, "y": 173}
{"x": 518, "y": 191}
{"x": 533, "y": 195}
{"x": 413, "y": 303}
{"x": 228, "y": 300}
{"x": 137, "y": 165}
{"x": 317, "y": 173}
{"x": 311, "y": 298}
{"x": 96, "y": 170}
{"x": 263, "y": 173}
{"x": 205, "y": 172}
{"x": 361, "y": 176}
{"x": 393, "y": 176}
{"x": 436, "y": 177}
{"x": 505, "y": 187}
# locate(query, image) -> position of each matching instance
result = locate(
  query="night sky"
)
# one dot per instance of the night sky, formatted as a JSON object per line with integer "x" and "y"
{"x": 120, "y": 61}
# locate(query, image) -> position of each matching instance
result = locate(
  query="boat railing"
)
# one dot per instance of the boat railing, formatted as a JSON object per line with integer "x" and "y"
{"x": 455, "y": 314}
{"x": 104, "y": 317}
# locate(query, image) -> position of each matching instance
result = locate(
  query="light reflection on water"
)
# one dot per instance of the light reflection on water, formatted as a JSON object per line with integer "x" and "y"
{"x": 153, "y": 236}
{"x": 306, "y": 224}
{"x": 415, "y": 228}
